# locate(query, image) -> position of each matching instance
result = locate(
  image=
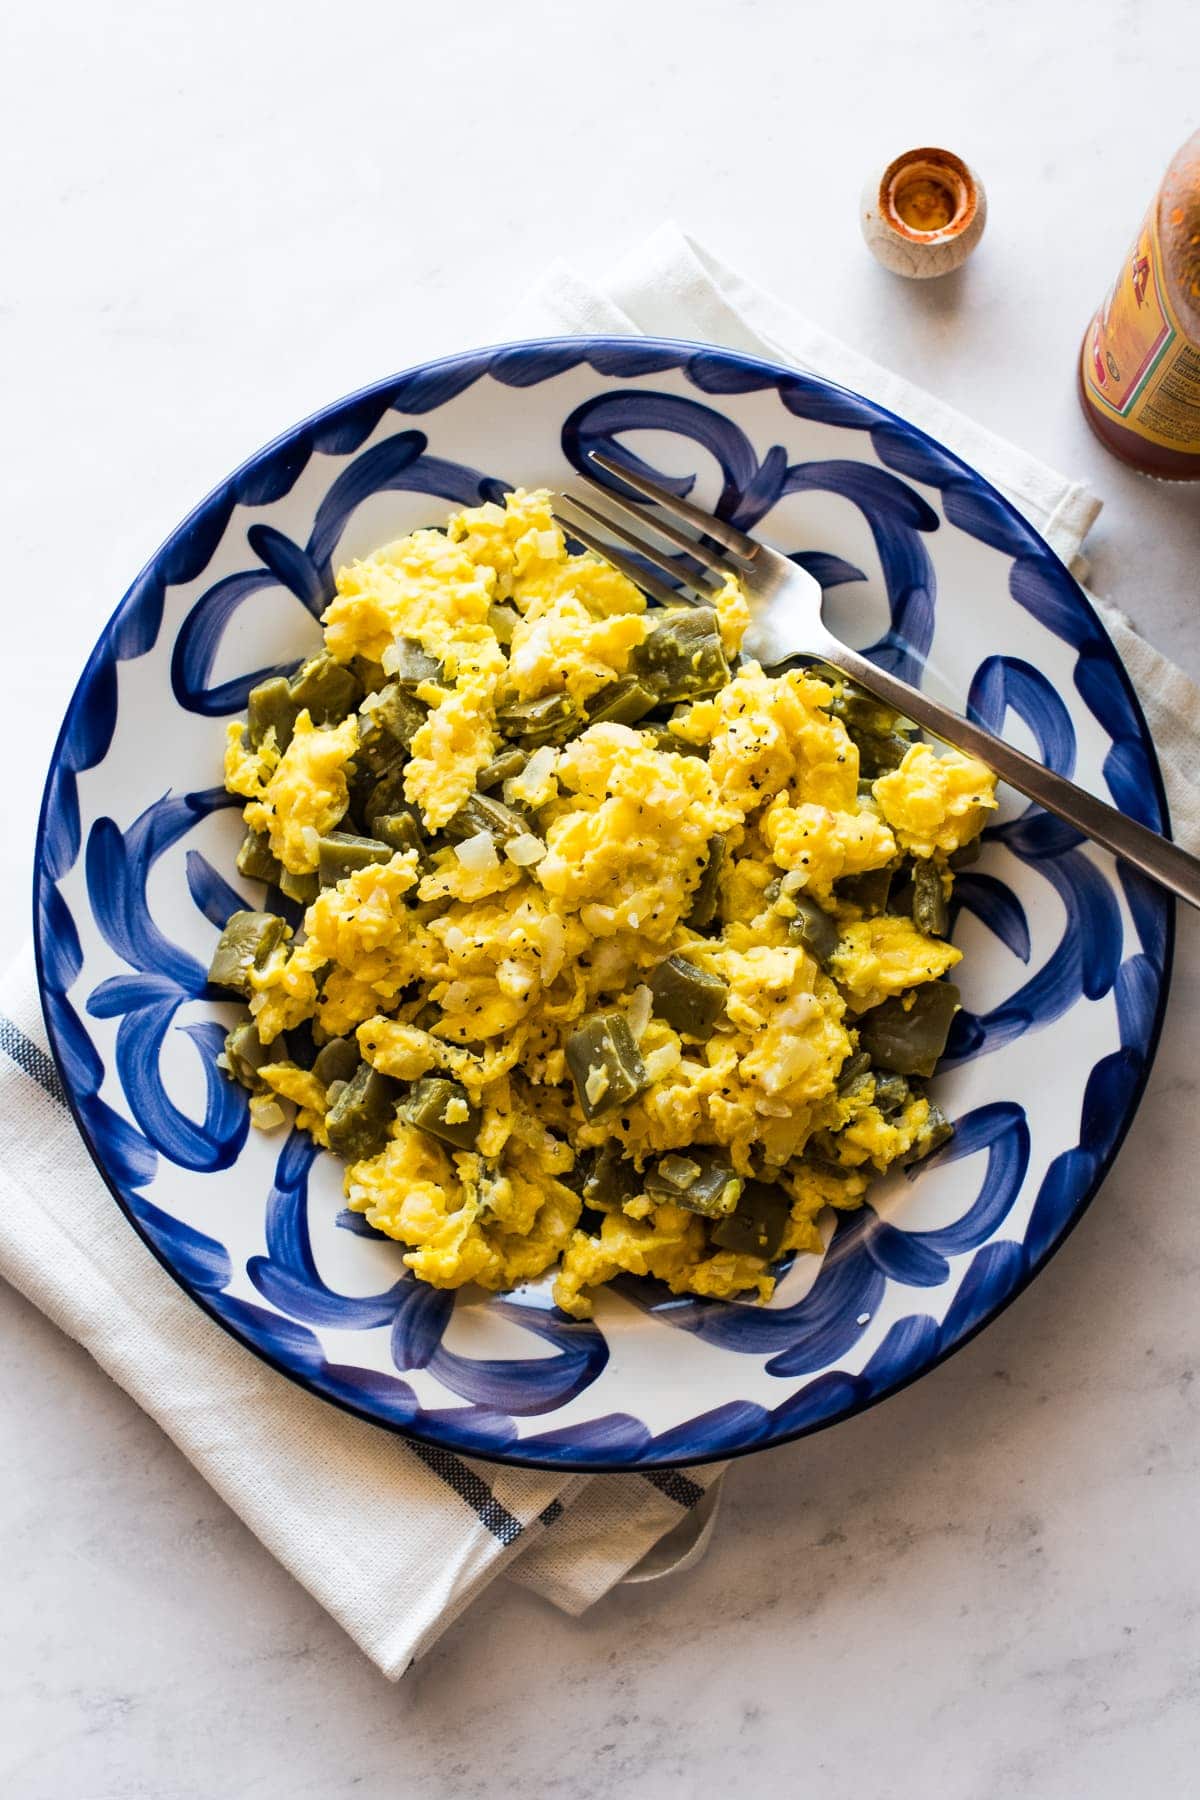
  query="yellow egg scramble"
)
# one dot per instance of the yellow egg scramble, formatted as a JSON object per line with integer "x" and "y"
{"x": 477, "y": 961}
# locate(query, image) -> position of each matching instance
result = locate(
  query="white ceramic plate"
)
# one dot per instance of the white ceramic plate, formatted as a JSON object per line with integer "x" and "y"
{"x": 1066, "y": 953}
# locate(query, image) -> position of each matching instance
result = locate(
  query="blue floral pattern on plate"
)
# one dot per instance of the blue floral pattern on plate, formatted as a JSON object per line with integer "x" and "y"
{"x": 1067, "y": 952}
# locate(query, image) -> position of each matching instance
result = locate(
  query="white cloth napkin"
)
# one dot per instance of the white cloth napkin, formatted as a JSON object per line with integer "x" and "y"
{"x": 392, "y": 1537}
{"x": 302, "y": 1475}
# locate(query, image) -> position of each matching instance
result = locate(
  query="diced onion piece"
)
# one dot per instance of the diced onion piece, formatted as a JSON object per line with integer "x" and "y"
{"x": 542, "y": 763}
{"x": 552, "y": 937}
{"x": 266, "y": 1113}
{"x": 503, "y": 621}
{"x": 525, "y": 850}
{"x": 660, "y": 1062}
{"x": 638, "y": 1012}
{"x": 478, "y": 852}
{"x": 596, "y": 1085}
{"x": 536, "y": 784}
{"x": 514, "y": 979}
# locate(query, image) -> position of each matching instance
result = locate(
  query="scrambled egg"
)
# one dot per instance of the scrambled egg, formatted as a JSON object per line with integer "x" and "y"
{"x": 473, "y": 961}
{"x": 298, "y": 795}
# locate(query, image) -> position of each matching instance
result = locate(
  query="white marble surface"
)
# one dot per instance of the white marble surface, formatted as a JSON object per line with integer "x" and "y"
{"x": 215, "y": 217}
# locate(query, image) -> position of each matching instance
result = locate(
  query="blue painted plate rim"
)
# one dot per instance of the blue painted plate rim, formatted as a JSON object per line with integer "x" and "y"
{"x": 683, "y": 350}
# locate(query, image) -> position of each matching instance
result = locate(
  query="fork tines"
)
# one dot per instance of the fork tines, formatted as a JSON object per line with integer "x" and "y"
{"x": 569, "y": 509}
{"x": 734, "y": 540}
{"x": 565, "y": 508}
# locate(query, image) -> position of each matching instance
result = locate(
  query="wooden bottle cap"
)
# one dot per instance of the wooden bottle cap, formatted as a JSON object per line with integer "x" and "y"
{"x": 924, "y": 213}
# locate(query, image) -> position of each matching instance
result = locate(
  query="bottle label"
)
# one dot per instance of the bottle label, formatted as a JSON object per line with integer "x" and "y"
{"x": 1138, "y": 367}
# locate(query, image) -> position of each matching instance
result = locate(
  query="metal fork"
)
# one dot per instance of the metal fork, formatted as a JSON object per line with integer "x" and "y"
{"x": 786, "y": 622}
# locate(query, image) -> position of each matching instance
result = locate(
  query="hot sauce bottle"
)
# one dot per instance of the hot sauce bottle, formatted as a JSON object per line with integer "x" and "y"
{"x": 1139, "y": 374}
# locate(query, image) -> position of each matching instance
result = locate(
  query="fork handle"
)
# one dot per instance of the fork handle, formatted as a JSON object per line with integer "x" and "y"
{"x": 1156, "y": 856}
